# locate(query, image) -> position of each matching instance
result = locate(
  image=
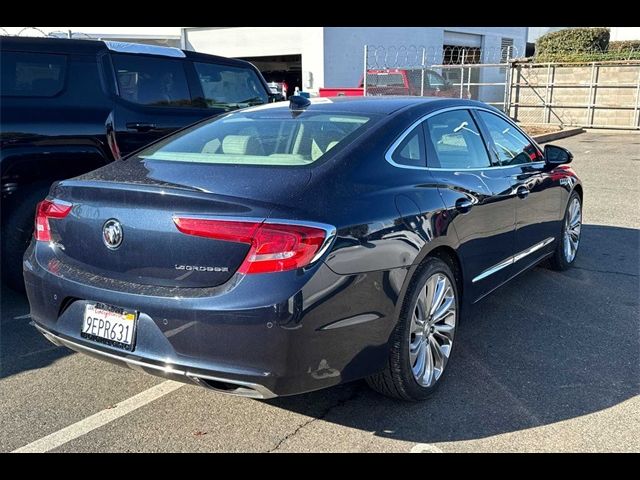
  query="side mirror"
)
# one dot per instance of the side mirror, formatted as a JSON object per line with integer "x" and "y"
{"x": 554, "y": 155}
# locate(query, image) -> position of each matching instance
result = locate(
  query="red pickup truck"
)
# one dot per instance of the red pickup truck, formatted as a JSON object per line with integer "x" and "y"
{"x": 400, "y": 82}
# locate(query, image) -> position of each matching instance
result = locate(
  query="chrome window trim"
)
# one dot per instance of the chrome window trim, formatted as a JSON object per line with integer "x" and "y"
{"x": 391, "y": 150}
{"x": 513, "y": 259}
{"x": 330, "y": 230}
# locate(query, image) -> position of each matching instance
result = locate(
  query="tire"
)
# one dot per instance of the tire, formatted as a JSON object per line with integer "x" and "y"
{"x": 398, "y": 379}
{"x": 567, "y": 246}
{"x": 17, "y": 230}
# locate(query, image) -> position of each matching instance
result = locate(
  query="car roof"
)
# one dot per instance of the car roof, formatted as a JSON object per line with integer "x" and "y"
{"x": 92, "y": 46}
{"x": 382, "y": 105}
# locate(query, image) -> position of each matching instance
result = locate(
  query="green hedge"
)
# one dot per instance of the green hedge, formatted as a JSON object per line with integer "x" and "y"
{"x": 624, "y": 46}
{"x": 557, "y": 46}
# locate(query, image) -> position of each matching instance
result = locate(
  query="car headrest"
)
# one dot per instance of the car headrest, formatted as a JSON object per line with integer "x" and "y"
{"x": 241, "y": 145}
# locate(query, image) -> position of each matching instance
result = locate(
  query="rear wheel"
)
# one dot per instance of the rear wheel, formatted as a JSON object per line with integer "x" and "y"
{"x": 567, "y": 246}
{"x": 422, "y": 341}
{"x": 17, "y": 230}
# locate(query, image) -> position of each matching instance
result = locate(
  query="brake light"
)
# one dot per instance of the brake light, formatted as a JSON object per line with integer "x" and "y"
{"x": 45, "y": 210}
{"x": 274, "y": 247}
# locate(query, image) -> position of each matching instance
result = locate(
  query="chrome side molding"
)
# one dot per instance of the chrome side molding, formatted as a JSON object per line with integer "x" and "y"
{"x": 513, "y": 259}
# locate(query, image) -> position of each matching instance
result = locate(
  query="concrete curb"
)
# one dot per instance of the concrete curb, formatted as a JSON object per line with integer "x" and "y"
{"x": 548, "y": 137}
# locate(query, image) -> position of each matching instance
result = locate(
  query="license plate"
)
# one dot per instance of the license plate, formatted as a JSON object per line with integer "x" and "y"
{"x": 110, "y": 325}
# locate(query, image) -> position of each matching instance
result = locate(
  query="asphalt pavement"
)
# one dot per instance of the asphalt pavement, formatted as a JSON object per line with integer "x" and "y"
{"x": 550, "y": 362}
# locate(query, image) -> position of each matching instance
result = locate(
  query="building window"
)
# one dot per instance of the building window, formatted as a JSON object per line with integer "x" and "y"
{"x": 506, "y": 52}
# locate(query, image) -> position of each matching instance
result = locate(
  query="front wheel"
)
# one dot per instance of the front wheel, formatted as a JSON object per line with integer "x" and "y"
{"x": 422, "y": 341}
{"x": 567, "y": 246}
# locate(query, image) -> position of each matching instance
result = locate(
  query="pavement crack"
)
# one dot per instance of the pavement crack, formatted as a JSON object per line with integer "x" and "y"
{"x": 322, "y": 416}
{"x": 607, "y": 271}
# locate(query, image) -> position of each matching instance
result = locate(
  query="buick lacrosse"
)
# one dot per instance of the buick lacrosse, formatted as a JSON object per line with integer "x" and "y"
{"x": 289, "y": 247}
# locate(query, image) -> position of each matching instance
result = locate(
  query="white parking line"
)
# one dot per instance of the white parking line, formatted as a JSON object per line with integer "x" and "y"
{"x": 99, "y": 419}
{"x": 425, "y": 448}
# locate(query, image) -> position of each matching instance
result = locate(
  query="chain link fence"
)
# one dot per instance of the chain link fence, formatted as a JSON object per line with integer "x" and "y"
{"x": 452, "y": 72}
{"x": 596, "y": 94}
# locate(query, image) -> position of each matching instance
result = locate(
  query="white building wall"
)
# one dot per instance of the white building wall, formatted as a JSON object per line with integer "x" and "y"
{"x": 333, "y": 56}
{"x": 625, "y": 33}
{"x": 264, "y": 41}
{"x": 344, "y": 46}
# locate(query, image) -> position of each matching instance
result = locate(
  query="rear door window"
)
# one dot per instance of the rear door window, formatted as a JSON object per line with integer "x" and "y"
{"x": 455, "y": 141}
{"x": 155, "y": 82}
{"x": 229, "y": 87}
{"x": 27, "y": 74}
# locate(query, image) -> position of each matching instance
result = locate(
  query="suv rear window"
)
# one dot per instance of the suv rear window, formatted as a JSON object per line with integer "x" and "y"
{"x": 230, "y": 87}
{"x": 158, "y": 82}
{"x": 255, "y": 138}
{"x": 32, "y": 74}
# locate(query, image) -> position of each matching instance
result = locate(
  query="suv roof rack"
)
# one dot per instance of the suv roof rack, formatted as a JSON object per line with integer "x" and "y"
{"x": 126, "y": 47}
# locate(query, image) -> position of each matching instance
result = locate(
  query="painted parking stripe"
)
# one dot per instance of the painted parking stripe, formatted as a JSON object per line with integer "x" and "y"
{"x": 99, "y": 419}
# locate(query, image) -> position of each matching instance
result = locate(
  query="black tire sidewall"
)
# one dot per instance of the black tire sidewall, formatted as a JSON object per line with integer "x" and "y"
{"x": 414, "y": 390}
{"x": 17, "y": 230}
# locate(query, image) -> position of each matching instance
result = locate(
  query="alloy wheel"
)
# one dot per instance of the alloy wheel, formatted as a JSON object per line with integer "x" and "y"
{"x": 573, "y": 224}
{"x": 432, "y": 329}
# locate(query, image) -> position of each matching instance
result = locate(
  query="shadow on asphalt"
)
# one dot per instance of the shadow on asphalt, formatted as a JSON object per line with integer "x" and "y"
{"x": 550, "y": 346}
{"x": 21, "y": 346}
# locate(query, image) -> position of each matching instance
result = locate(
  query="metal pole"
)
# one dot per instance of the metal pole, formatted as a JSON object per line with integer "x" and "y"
{"x": 507, "y": 85}
{"x": 423, "y": 69}
{"x": 70, "y": 34}
{"x": 636, "y": 116}
{"x": 364, "y": 80}
{"x": 550, "y": 99}
{"x": 590, "y": 100}
{"x": 546, "y": 113}
{"x": 462, "y": 74}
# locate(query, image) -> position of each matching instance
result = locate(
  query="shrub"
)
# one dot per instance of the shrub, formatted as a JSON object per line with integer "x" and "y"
{"x": 555, "y": 46}
{"x": 624, "y": 46}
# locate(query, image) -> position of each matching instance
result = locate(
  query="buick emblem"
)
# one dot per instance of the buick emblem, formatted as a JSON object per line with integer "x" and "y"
{"x": 112, "y": 234}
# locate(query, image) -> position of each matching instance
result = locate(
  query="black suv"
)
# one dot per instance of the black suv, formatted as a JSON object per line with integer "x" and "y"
{"x": 71, "y": 106}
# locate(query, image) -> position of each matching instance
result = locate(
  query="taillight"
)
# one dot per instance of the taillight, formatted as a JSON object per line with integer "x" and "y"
{"x": 45, "y": 210}
{"x": 274, "y": 247}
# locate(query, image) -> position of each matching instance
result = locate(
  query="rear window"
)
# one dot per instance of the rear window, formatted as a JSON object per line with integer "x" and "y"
{"x": 257, "y": 138}
{"x": 32, "y": 74}
{"x": 385, "y": 80}
{"x": 230, "y": 87}
{"x": 157, "y": 82}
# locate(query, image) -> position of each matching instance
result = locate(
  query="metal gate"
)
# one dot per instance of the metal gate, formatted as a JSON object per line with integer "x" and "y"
{"x": 592, "y": 95}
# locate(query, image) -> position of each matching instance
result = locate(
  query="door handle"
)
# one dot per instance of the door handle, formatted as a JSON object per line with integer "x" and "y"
{"x": 463, "y": 205}
{"x": 522, "y": 191}
{"x": 141, "y": 126}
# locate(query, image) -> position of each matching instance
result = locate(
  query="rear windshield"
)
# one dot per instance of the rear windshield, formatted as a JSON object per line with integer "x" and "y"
{"x": 259, "y": 138}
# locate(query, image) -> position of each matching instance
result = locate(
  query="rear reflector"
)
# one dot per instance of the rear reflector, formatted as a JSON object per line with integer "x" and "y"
{"x": 45, "y": 210}
{"x": 274, "y": 247}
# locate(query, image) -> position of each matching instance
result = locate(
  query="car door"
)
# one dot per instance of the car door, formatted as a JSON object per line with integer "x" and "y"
{"x": 477, "y": 194}
{"x": 153, "y": 99}
{"x": 537, "y": 195}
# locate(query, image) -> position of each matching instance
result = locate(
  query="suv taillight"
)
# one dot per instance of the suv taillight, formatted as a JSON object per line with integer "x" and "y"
{"x": 45, "y": 210}
{"x": 274, "y": 247}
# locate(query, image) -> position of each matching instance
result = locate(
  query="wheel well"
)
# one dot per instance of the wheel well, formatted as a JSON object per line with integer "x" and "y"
{"x": 450, "y": 257}
{"x": 578, "y": 189}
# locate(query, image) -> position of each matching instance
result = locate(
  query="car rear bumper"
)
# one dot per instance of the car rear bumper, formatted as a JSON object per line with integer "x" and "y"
{"x": 260, "y": 336}
{"x": 169, "y": 371}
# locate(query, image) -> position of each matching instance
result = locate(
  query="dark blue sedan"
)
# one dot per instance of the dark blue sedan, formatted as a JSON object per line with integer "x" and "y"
{"x": 290, "y": 247}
